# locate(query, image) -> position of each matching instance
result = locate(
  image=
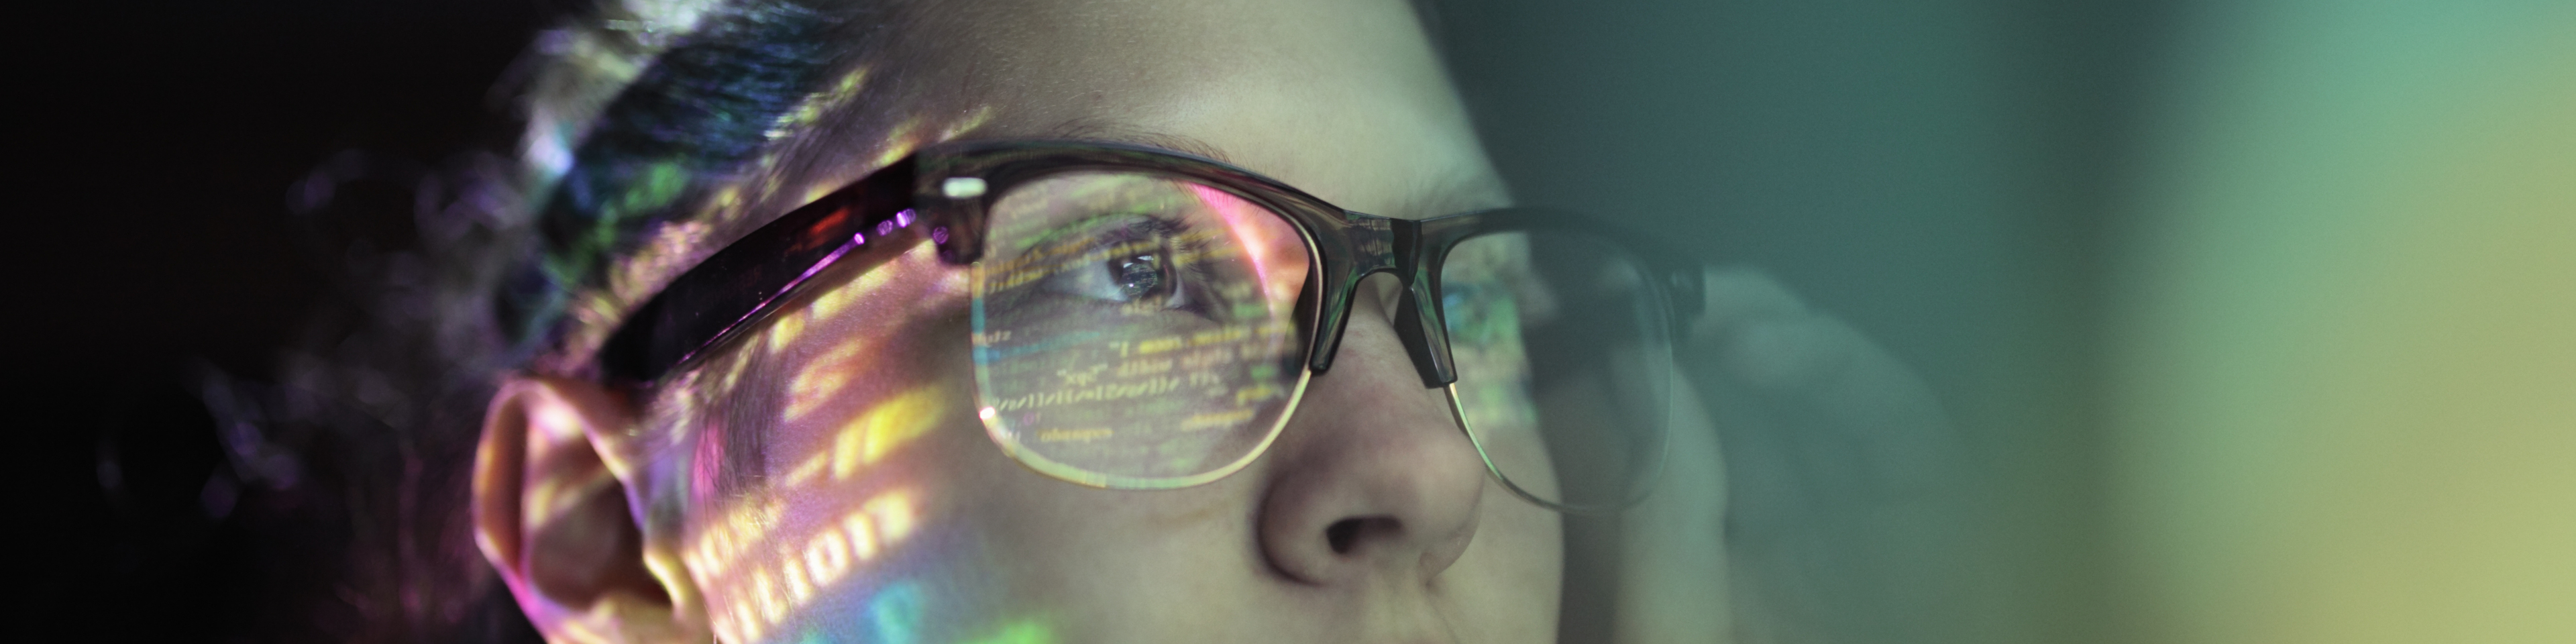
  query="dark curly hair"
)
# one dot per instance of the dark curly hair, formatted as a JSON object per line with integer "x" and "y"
{"x": 367, "y": 436}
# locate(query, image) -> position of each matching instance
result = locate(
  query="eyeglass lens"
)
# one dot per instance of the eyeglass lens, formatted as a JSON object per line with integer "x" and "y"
{"x": 1135, "y": 330}
{"x": 1563, "y": 364}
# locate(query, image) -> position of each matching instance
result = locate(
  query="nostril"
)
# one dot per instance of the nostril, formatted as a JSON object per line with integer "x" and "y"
{"x": 1341, "y": 534}
{"x": 1345, "y": 535}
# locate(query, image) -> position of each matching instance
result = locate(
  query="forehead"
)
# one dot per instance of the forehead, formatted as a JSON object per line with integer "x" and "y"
{"x": 1342, "y": 98}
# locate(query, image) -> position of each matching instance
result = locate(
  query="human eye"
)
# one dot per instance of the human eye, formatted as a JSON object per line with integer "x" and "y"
{"x": 1132, "y": 324}
{"x": 1141, "y": 263}
{"x": 1118, "y": 249}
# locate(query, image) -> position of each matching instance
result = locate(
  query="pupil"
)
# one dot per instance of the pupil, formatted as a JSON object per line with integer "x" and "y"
{"x": 1139, "y": 275}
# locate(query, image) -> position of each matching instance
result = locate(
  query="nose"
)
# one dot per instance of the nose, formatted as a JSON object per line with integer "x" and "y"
{"x": 1372, "y": 477}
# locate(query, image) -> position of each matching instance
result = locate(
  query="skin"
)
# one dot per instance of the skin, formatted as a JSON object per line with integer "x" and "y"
{"x": 600, "y": 511}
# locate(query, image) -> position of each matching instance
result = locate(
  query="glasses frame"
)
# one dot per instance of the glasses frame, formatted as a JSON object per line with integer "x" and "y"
{"x": 942, "y": 193}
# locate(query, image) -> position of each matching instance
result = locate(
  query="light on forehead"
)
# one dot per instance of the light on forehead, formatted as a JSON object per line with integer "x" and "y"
{"x": 962, "y": 187}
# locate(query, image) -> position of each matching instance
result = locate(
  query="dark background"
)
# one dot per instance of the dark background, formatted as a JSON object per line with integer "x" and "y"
{"x": 1937, "y": 172}
{"x": 160, "y": 243}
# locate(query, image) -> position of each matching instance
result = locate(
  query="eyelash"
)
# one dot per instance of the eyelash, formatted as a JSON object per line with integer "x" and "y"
{"x": 1168, "y": 238}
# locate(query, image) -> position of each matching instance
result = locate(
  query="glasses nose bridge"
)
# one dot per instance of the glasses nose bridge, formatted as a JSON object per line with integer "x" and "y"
{"x": 1375, "y": 244}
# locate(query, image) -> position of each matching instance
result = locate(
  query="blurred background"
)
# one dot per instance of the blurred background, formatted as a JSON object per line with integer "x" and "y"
{"x": 2257, "y": 319}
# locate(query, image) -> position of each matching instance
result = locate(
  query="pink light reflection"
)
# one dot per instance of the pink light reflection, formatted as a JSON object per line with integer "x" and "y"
{"x": 1258, "y": 231}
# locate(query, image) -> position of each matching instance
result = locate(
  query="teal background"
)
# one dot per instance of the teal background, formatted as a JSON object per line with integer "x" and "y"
{"x": 1938, "y": 173}
{"x": 2253, "y": 316}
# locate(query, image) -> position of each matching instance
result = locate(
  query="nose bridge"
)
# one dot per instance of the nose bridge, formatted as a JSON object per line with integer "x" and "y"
{"x": 1385, "y": 245}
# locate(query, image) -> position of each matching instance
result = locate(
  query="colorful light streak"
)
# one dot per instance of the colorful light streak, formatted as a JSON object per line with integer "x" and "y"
{"x": 882, "y": 429}
{"x": 896, "y": 612}
{"x": 729, "y": 537}
{"x": 1020, "y": 632}
{"x": 860, "y": 442}
{"x": 772, "y": 593}
{"x": 1264, "y": 239}
{"x": 812, "y": 109}
{"x": 766, "y": 577}
{"x": 822, "y": 380}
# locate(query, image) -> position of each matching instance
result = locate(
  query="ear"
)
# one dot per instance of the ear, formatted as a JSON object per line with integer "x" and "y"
{"x": 552, "y": 513}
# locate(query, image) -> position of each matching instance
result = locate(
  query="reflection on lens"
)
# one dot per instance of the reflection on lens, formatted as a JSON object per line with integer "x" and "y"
{"x": 1564, "y": 364}
{"x": 1136, "y": 331}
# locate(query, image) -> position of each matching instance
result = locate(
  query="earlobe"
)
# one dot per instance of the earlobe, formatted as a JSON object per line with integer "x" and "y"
{"x": 551, "y": 513}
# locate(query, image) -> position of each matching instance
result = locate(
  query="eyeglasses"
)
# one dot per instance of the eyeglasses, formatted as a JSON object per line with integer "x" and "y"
{"x": 1145, "y": 319}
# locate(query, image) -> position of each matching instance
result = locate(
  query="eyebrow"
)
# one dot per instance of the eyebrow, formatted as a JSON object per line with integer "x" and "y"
{"x": 1097, "y": 130}
{"x": 1450, "y": 192}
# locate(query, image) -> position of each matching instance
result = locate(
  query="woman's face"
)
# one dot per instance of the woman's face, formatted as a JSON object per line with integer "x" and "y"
{"x": 876, "y": 509}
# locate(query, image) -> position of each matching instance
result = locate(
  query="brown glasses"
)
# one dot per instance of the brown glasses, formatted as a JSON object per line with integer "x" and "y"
{"x": 1145, "y": 319}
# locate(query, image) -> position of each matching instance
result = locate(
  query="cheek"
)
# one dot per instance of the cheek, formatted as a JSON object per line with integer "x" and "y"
{"x": 892, "y": 517}
{"x": 856, "y": 500}
{"x": 860, "y": 527}
{"x": 1512, "y": 573}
